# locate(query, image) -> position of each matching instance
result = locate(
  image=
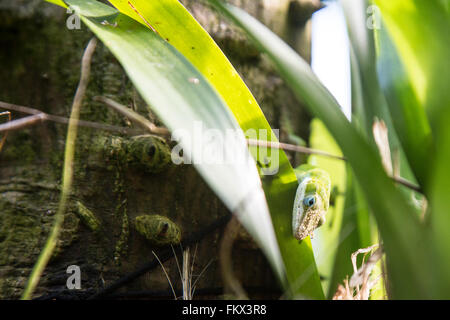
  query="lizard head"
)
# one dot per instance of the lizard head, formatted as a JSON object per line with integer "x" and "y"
{"x": 310, "y": 207}
{"x": 308, "y": 214}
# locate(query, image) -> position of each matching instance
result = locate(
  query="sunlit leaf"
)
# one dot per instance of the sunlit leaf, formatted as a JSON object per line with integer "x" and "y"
{"x": 409, "y": 117}
{"x": 174, "y": 23}
{"x": 419, "y": 30}
{"x": 184, "y": 100}
{"x": 398, "y": 228}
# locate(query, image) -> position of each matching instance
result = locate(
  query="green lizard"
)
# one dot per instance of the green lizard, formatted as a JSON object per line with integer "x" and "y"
{"x": 311, "y": 200}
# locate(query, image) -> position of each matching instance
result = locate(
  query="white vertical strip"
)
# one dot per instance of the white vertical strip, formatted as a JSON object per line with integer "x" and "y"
{"x": 330, "y": 53}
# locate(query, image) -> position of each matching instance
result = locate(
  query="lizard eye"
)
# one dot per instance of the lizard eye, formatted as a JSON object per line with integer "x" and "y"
{"x": 309, "y": 201}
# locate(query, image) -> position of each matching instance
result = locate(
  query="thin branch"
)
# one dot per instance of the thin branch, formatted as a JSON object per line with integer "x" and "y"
{"x": 291, "y": 147}
{"x": 50, "y": 245}
{"x": 295, "y": 148}
{"x": 133, "y": 116}
{"x": 22, "y": 122}
{"x": 176, "y": 260}
{"x": 2, "y": 142}
{"x": 167, "y": 276}
{"x": 150, "y": 127}
{"x": 58, "y": 119}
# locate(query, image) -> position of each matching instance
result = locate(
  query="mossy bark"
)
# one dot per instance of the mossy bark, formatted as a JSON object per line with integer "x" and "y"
{"x": 41, "y": 68}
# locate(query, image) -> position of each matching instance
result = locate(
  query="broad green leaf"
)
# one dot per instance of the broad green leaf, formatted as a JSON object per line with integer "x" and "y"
{"x": 409, "y": 116}
{"x": 370, "y": 103}
{"x": 407, "y": 259}
{"x": 440, "y": 206}
{"x": 184, "y": 100}
{"x": 419, "y": 30}
{"x": 362, "y": 21}
{"x": 363, "y": 49}
{"x": 174, "y": 23}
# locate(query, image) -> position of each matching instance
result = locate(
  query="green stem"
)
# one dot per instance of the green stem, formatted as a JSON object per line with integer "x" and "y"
{"x": 50, "y": 245}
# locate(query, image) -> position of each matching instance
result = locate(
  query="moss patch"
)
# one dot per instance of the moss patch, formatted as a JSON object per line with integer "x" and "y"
{"x": 159, "y": 230}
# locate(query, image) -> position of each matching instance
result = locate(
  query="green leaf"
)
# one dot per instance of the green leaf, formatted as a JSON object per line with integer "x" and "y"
{"x": 182, "y": 98}
{"x": 368, "y": 98}
{"x": 419, "y": 30}
{"x": 363, "y": 50}
{"x": 399, "y": 229}
{"x": 58, "y": 2}
{"x": 409, "y": 116}
{"x": 173, "y": 22}
{"x": 440, "y": 205}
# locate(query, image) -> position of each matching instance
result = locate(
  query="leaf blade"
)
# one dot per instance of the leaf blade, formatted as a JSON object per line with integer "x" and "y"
{"x": 162, "y": 75}
{"x": 172, "y": 21}
{"x": 398, "y": 230}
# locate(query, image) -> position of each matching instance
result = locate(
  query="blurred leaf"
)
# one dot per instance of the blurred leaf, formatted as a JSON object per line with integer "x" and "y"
{"x": 440, "y": 205}
{"x": 182, "y": 98}
{"x": 408, "y": 262}
{"x": 410, "y": 119}
{"x": 363, "y": 55}
{"x": 419, "y": 30}
{"x": 368, "y": 101}
{"x": 417, "y": 83}
{"x": 359, "y": 117}
{"x": 173, "y": 22}
{"x": 58, "y": 2}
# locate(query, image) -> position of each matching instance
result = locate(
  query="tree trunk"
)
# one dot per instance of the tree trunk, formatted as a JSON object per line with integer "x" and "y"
{"x": 41, "y": 68}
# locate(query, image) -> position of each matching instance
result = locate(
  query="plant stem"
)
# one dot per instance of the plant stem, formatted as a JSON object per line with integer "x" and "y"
{"x": 51, "y": 243}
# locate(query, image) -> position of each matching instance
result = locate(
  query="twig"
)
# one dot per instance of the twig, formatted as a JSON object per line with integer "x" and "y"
{"x": 2, "y": 142}
{"x": 150, "y": 127}
{"x": 167, "y": 276}
{"x": 291, "y": 147}
{"x": 360, "y": 278}
{"x": 295, "y": 148}
{"x": 58, "y": 119}
{"x": 22, "y": 122}
{"x": 133, "y": 116}
{"x": 50, "y": 245}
